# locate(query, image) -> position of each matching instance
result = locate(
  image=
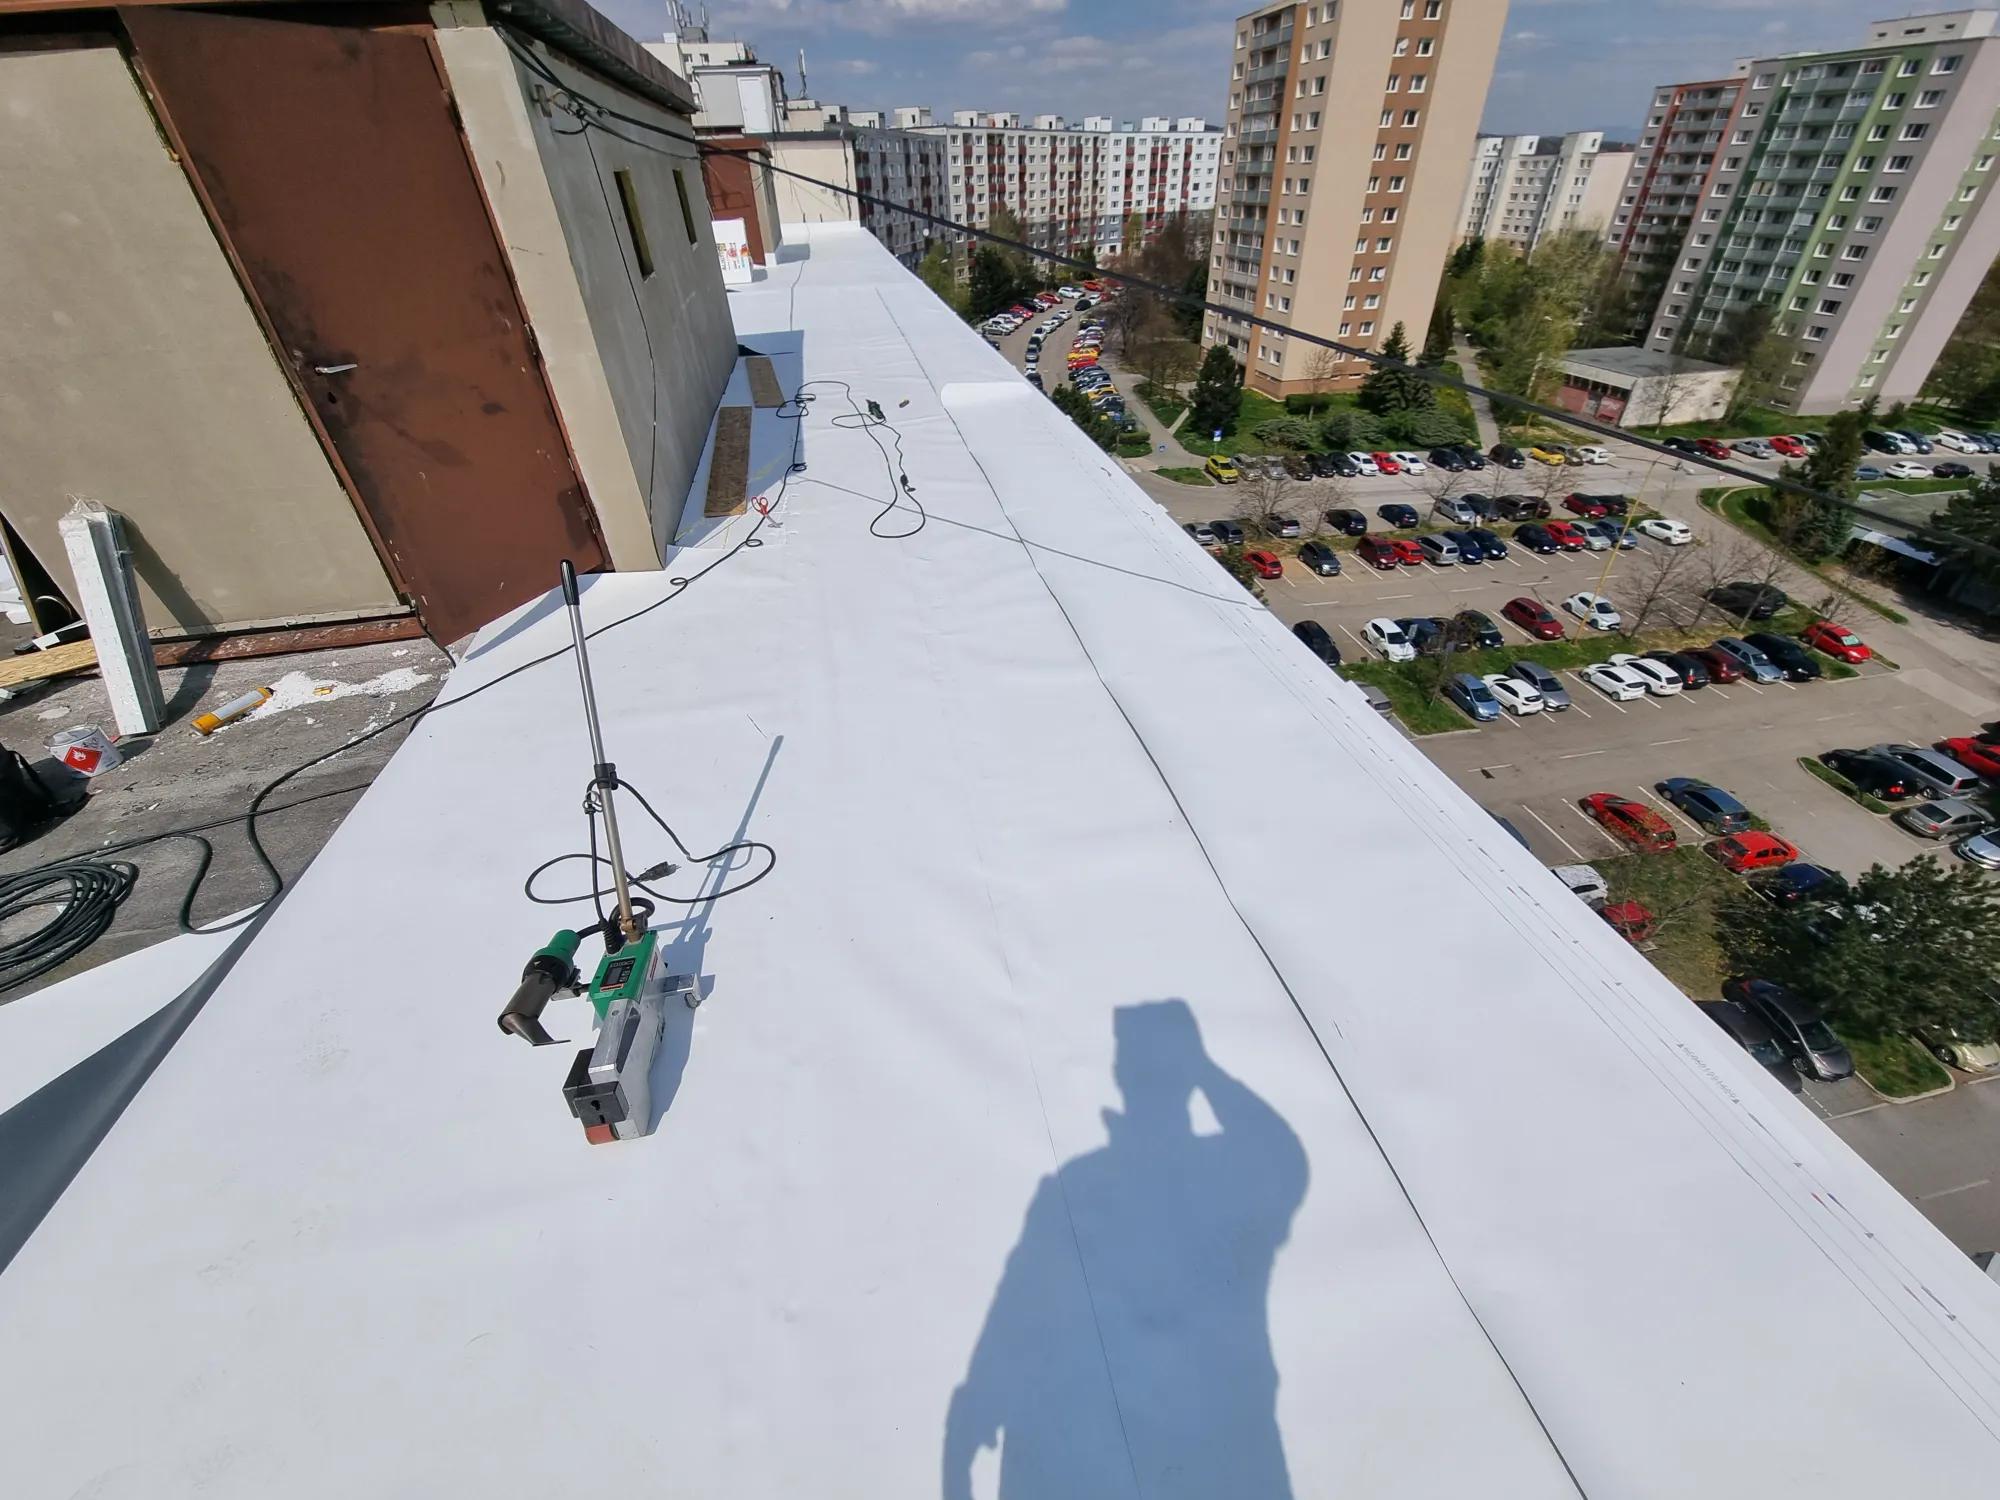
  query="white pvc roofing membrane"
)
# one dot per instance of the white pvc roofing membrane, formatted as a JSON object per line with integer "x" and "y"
{"x": 1138, "y": 1038}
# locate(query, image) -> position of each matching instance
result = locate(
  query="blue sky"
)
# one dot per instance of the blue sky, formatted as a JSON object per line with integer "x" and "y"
{"x": 1564, "y": 64}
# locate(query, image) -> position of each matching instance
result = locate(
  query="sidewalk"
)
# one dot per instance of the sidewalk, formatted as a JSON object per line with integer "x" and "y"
{"x": 1175, "y": 455}
{"x": 1482, "y": 409}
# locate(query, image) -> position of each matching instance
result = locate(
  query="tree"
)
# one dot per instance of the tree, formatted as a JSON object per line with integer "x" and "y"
{"x": 1218, "y": 394}
{"x": 1085, "y": 253}
{"x": 1394, "y": 386}
{"x": 1657, "y": 582}
{"x": 1428, "y": 428}
{"x": 994, "y": 284}
{"x": 1165, "y": 363}
{"x": 1974, "y": 516}
{"x": 1293, "y": 432}
{"x": 1096, "y": 426}
{"x": 1967, "y": 372}
{"x": 1466, "y": 259}
{"x": 1321, "y": 366}
{"x": 1900, "y": 949}
{"x": 1265, "y": 496}
{"x": 1812, "y": 527}
{"x": 937, "y": 273}
{"x": 1350, "y": 431}
{"x": 1438, "y": 341}
{"x": 1748, "y": 340}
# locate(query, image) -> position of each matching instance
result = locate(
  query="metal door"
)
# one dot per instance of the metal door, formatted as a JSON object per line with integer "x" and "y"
{"x": 329, "y": 159}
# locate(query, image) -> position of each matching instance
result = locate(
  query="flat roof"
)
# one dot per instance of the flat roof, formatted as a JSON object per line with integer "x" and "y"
{"x": 1634, "y": 364}
{"x": 1071, "y": 1105}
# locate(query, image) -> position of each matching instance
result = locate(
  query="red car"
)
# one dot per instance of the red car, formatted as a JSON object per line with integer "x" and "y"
{"x": 1714, "y": 447}
{"x": 1588, "y": 506}
{"x": 1630, "y": 920}
{"x": 1788, "y": 447}
{"x": 1631, "y": 821}
{"x": 1534, "y": 617}
{"x": 1386, "y": 464}
{"x": 1974, "y": 755}
{"x": 1383, "y": 552}
{"x": 1722, "y": 667}
{"x": 1748, "y": 852}
{"x": 1265, "y": 563}
{"x": 1566, "y": 536}
{"x": 1836, "y": 641}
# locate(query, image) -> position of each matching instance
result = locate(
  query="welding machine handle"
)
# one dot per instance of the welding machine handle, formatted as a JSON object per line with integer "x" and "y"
{"x": 551, "y": 971}
{"x": 568, "y": 581}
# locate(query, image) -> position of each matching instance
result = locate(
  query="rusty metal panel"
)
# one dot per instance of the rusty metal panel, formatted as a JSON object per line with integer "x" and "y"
{"x": 331, "y": 163}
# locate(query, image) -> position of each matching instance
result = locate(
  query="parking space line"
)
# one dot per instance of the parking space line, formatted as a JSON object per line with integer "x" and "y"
{"x": 1360, "y": 645}
{"x": 1580, "y": 754}
{"x": 1754, "y": 688}
{"x": 1579, "y": 708}
{"x": 1718, "y": 692}
{"x": 1552, "y": 833}
{"x": 1386, "y": 598}
{"x": 1671, "y": 810}
{"x": 1963, "y": 1187}
{"x": 1684, "y": 740}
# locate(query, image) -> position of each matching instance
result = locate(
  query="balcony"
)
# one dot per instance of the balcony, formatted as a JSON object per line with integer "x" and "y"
{"x": 1269, "y": 70}
{"x": 1252, "y": 197}
{"x": 1260, "y": 135}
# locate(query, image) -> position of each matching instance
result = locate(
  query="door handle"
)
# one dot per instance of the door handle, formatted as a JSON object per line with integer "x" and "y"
{"x": 335, "y": 369}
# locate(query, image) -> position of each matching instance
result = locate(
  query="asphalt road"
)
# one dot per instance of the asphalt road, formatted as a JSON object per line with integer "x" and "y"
{"x": 1942, "y": 1153}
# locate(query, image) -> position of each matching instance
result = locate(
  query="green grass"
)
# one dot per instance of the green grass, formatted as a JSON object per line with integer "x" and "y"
{"x": 1836, "y": 671}
{"x": 1454, "y": 403}
{"x": 1420, "y": 714}
{"x": 1686, "y": 891}
{"x": 1896, "y": 1067}
{"x": 1252, "y": 408}
{"x": 1842, "y": 785}
{"x": 1163, "y": 404}
{"x": 1917, "y": 486}
{"x": 1185, "y": 476}
{"x": 1738, "y": 506}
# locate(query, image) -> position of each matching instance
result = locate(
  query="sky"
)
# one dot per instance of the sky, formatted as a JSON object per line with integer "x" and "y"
{"x": 1564, "y": 64}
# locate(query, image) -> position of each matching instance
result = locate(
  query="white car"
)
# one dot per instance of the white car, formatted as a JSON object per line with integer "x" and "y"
{"x": 1663, "y": 529}
{"x": 1619, "y": 684}
{"x": 1593, "y": 455}
{"x": 1594, "y": 610}
{"x": 1517, "y": 697}
{"x": 1365, "y": 462}
{"x": 1903, "y": 468}
{"x": 1412, "y": 463}
{"x": 1958, "y": 442}
{"x": 1069, "y": 291}
{"x": 1661, "y": 680}
{"x": 1755, "y": 448}
{"x": 1386, "y": 638}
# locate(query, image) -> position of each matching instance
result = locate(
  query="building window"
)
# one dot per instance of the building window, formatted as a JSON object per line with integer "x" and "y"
{"x": 1816, "y": 333}
{"x": 1893, "y": 331}
{"x": 1948, "y": 63}
{"x": 1403, "y": 151}
{"x": 1909, "y": 68}
{"x": 1854, "y": 252}
{"x": 1395, "y": 82}
{"x": 1761, "y": 81}
{"x": 1345, "y": 330}
{"x": 1842, "y": 280}
{"x": 1383, "y": 245}
{"x": 1389, "y": 214}
{"x": 1829, "y": 306}
{"x": 1951, "y": 222}
{"x": 1395, "y": 184}
{"x": 1410, "y": 117}
{"x": 1895, "y": 101}
{"x": 1922, "y": 278}
{"x": 1418, "y": 82}
{"x": 1381, "y": 150}
{"x": 1348, "y": 304}
{"x": 1878, "y": 132}
{"x": 1851, "y": 192}
{"x": 1915, "y": 130}
{"x": 1909, "y": 305}
{"x": 1898, "y": 164}
{"x": 1377, "y": 273}
{"x": 1372, "y": 301}
{"x": 1930, "y": 98}
{"x": 1425, "y": 45}
{"x": 1355, "y": 274}
{"x": 1936, "y": 252}
{"x": 635, "y": 221}
{"x": 1388, "y": 118}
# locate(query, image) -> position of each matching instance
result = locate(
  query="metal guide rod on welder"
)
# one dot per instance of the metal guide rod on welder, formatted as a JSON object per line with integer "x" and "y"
{"x": 604, "y": 775}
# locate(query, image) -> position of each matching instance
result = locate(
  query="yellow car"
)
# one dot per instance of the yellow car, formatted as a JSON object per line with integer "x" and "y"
{"x": 1221, "y": 470}
{"x": 1553, "y": 456}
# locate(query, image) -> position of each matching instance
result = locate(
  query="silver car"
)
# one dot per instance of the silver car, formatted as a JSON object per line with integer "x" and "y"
{"x": 1946, "y": 818}
{"x": 1982, "y": 849}
{"x": 1755, "y": 664}
{"x": 1555, "y": 697}
{"x": 1933, "y": 768}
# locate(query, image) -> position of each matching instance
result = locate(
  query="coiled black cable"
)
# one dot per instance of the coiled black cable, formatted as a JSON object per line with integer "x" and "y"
{"x": 85, "y": 894}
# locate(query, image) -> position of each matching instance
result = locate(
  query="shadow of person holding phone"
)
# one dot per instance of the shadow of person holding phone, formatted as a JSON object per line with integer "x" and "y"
{"x": 1127, "y": 1350}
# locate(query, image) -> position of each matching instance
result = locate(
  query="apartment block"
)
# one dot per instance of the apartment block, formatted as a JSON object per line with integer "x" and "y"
{"x": 1854, "y": 195}
{"x": 1076, "y": 185}
{"x": 1524, "y": 188}
{"x": 1672, "y": 172}
{"x": 904, "y": 167}
{"x": 1343, "y": 174}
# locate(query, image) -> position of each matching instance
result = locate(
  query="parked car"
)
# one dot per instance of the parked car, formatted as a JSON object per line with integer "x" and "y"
{"x": 1228, "y": 533}
{"x": 1930, "y": 769}
{"x": 1945, "y": 818}
{"x": 1319, "y": 641}
{"x": 1321, "y": 465}
{"x": 1793, "y": 884}
{"x": 1344, "y": 466}
{"x": 1800, "y": 1028}
{"x": 1377, "y": 699}
{"x": 1584, "y": 882}
{"x": 1347, "y": 522}
{"x": 1975, "y": 755}
{"x": 1566, "y": 536}
{"x": 1535, "y": 537}
{"x": 1788, "y": 447}
{"x": 1469, "y": 550}
{"x": 1386, "y": 638}
{"x": 1385, "y": 463}
{"x": 1661, "y": 681}
{"x": 1401, "y": 516}
{"x": 1756, "y": 601}
{"x": 1320, "y": 559}
{"x": 1451, "y": 508}
{"x": 1386, "y": 552}
{"x": 1472, "y": 695}
{"x": 1472, "y": 457}
{"x": 1446, "y": 459}
{"x": 1555, "y": 697}
{"x": 1476, "y": 630}
{"x": 1596, "y": 611}
{"x": 1439, "y": 551}
{"x": 1584, "y": 505}
{"x": 1591, "y": 454}
{"x": 1679, "y": 445}
{"x": 1631, "y": 920}
{"x": 1869, "y": 473}
{"x": 1691, "y": 669}
{"x": 1534, "y": 617}
{"x": 1968, "y": 1054}
{"x": 1221, "y": 470}
{"x": 1951, "y": 469}
{"x": 1707, "y": 804}
{"x": 1507, "y": 456}
{"x": 1836, "y": 641}
{"x": 1521, "y": 508}
{"x": 1755, "y": 448}
{"x": 1663, "y": 529}
{"x": 1427, "y": 634}
{"x": 1904, "y": 468}
{"x": 1713, "y": 448}
{"x": 1755, "y": 1037}
{"x": 1278, "y": 525}
{"x": 1264, "y": 564}
{"x": 1755, "y": 664}
{"x": 1745, "y": 852}
{"x": 1787, "y": 655}
{"x": 1514, "y": 695}
{"x": 1982, "y": 849}
{"x": 1298, "y": 466}
{"x": 1917, "y": 441}
{"x": 1885, "y": 442}
{"x": 1614, "y": 505}
{"x": 1551, "y": 454}
{"x": 1956, "y": 441}
{"x": 1722, "y": 667}
{"x": 1634, "y": 822}
{"x": 1409, "y": 463}
{"x": 1202, "y": 532}
{"x": 1489, "y": 542}
{"x": 1604, "y": 536}
{"x": 1619, "y": 684}
{"x": 1481, "y": 505}
{"x": 1876, "y": 775}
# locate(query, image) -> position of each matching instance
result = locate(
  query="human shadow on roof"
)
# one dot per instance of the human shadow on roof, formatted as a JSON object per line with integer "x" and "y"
{"x": 1128, "y": 1350}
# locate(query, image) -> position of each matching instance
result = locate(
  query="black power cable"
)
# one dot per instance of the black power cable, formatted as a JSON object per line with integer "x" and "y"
{"x": 581, "y": 104}
{"x": 85, "y": 895}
